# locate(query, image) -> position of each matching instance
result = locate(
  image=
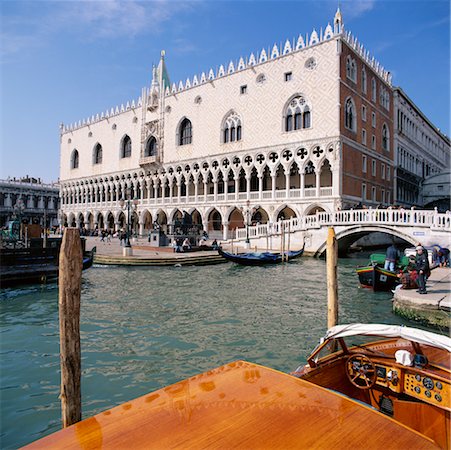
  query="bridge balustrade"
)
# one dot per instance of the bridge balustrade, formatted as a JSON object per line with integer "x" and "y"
{"x": 407, "y": 218}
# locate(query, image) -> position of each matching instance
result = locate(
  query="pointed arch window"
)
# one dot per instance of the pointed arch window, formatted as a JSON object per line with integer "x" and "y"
{"x": 97, "y": 154}
{"x": 385, "y": 138}
{"x": 297, "y": 114}
{"x": 151, "y": 147}
{"x": 350, "y": 115}
{"x": 74, "y": 160}
{"x": 126, "y": 147}
{"x": 231, "y": 130}
{"x": 185, "y": 132}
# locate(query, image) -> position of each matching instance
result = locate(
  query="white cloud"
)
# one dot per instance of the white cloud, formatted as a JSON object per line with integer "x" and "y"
{"x": 90, "y": 19}
{"x": 356, "y": 8}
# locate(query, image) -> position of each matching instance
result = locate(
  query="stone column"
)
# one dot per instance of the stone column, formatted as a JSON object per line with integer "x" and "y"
{"x": 260, "y": 186}
{"x": 287, "y": 184}
{"x": 155, "y": 190}
{"x": 237, "y": 187}
{"x": 179, "y": 191}
{"x": 225, "y": 228}
{"x": 302, "y": 184}
{"x": 318, "y": 182}
{"x": 273, "y": 186}
{"x": 248, "y": 187}
{"x": 205, "y": 191}
{"x": 215, "y": 189}
{"x": 141, "y": 228}
{"x": 196, "y": 190}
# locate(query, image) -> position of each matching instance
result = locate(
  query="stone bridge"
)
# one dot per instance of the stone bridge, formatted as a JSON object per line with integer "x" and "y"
{"x": 428, "y": 227}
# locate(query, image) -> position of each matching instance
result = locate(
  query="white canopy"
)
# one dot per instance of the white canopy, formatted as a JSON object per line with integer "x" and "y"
{"x": 390, "y": 331}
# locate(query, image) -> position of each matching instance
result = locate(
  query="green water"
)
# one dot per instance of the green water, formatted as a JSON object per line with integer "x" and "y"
{"x": 144, "y": 328}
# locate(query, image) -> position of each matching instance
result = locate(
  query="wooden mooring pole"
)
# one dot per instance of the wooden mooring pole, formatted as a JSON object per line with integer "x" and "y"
{"x": 70, "y": 266}
{"x": 332, "y": 286}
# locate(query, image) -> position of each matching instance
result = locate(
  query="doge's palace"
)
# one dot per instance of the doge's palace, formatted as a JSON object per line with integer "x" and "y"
{"x": 273, "y": 135}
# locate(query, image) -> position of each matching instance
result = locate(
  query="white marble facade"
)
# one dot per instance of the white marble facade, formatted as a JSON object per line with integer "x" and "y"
{"x": 217, "y": 173}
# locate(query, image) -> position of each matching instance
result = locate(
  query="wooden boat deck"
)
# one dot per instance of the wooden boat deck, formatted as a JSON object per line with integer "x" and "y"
{"x": 239, "y": 405}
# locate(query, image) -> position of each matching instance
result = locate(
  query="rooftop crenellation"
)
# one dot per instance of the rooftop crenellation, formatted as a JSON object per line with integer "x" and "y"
{"x": 255, "y": 59}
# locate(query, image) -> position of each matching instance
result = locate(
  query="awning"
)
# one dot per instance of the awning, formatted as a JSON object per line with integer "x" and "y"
{"x": 390, "y": 331}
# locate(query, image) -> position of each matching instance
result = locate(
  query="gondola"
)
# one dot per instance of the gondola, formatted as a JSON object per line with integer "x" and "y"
{"x": 376, "y": 277}
{"x": 259, "y": 258}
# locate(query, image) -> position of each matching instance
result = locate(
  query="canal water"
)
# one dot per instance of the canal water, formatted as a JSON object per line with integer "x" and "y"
{"x": 144, "y": 328}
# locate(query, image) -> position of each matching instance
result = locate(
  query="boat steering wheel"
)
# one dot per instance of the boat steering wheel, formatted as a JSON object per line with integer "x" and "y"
{"x": 361, "y": 371}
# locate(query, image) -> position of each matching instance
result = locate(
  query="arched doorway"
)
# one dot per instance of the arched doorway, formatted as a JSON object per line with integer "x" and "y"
{"x": 147, "y": 222}
{"x": 259, "y": 216}
{"x": 236, "y": 219}
{"x": 110, "y": 221}
{"x": 162, "y": 220}
{"x": 121, "y": 221}
{"x": 214, "y": 221}
{"x": 196, "y": 217}
{"x": 286, "y": 213}
{"x": 312, "y": 210}
{"x": 81, "y": 221}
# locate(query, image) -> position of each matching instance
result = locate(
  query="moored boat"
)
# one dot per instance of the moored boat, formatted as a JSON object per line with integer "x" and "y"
{"x": 34, "y": 265}
{"x": 260, "y": 258}
{"x": 376, "y": 277}
{"x": 359, "y": 396}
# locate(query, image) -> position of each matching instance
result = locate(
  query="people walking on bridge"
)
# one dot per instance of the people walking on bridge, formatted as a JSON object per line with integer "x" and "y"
{"x": 422, "y": 266}
{"x": 392, "y": 255}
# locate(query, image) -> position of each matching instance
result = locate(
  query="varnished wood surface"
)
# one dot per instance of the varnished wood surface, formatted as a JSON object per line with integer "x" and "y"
{"x": 239, "y": 405}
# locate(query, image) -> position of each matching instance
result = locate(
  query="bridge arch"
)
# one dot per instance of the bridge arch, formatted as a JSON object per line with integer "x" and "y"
{"x": 348, "y": 236}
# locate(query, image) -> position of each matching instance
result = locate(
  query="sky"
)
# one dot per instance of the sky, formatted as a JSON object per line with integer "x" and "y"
{"x": 63, "y": 61}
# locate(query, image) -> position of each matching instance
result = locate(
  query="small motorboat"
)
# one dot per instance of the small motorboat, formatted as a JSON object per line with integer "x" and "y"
{"x": 401, "y": 372}
{"x": 392, "y": 393}
{"x": 260, "y": 258}
{"x": 376, "y": 277}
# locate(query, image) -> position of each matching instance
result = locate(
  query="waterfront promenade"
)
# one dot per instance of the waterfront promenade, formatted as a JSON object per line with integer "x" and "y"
{"x": 432, "y": 309}
{"x": 144, "y": 254}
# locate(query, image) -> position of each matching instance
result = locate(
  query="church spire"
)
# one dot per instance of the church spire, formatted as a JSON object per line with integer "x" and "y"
{"x": 338, "y": 21}
{"x": 163, "y": 77}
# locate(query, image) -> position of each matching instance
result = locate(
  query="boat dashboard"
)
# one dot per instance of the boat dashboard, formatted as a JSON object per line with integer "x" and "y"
{"x": 421, "y": 384}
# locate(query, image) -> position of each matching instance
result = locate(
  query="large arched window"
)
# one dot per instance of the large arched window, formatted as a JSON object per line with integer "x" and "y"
{"x": 126, "y": 147}
{"x": 297, "y": 114}
{"x": 74, "y": 160}
{"x": 185, "y": 132}
{"x": 231, "y": 129}
{"x": 97, "y": 154}
{"x": 350, "y": 115}
{"x": 385, "y": 138}
{"x": 151, "y": 147}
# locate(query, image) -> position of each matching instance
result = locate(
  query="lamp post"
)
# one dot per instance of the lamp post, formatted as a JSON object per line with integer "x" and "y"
{"x": 248, "y": 211}
{"x": 130, "y": 205}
